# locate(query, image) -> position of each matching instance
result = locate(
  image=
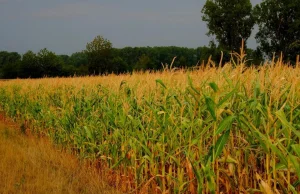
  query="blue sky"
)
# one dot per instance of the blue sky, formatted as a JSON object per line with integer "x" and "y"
{"x": 65, "y": 26}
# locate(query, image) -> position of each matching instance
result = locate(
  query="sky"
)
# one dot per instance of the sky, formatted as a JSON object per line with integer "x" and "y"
{"x": 66, "y": 26}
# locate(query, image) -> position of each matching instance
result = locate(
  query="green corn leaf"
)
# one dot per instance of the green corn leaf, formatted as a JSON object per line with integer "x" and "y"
{"x": 225, "y": 124}
{"x": 295, "y": 163}
{"x": 117, "y": 164}
{"x": 296, "y": 183}
{"x": 88, "y": 132}
{"x": 177, "y": 100}
{"x": 279, "y": 166}
{"x": 193, "y": 95}
{"x": 228, "y": 80}
{"x": 214, "y": 86}
{"x": 221, "y": 143}
{"x": 226, "y": 97}
{"x": 278, "y": 153}
{"x": 146, "y": 149}
{"x": 292, "y": 188}
{"x": 159, "y": 81}
{"x": 209, "y": 175}
{"x": 296, "y": 148}
{"x": 211, "y": 107}
{"x": 196, "y": 171}
{"x": 209, "y": 156}
{"x": 281, "y": 116}
{"x": 123, "y": 82}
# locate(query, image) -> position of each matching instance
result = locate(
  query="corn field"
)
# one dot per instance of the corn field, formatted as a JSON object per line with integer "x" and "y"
{"x": 230, "y": 129}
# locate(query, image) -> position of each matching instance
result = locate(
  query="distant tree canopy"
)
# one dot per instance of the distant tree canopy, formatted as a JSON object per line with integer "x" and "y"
{"x": 29, "y": 67}
{"x": 229, "y": 21}
{"x": 279, "y": 27}
{"x": 120, "y": 60}
{"x": 8, "y": 58}
{"x": 99, "y": 54}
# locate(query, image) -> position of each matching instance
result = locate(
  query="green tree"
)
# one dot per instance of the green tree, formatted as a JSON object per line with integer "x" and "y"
{"x": 255, "y": 57}
{"x": 10, "y": 70}
{"x": 49, "y": 63}
{"x": 9, "y": 64}
{"x": 279, "y": 27}
{"x": 65, "y": 59}
{"x": 99, "y": 53}
{"x": 118, "y": 64}
{"x": 182, "y": 61}
{"x": 29, "y": 67}
{"x": 9, "y": 57}
{"x": 142, "y": 63}
{"x": 229, "y": 21}
{"x": 78, "y": 59}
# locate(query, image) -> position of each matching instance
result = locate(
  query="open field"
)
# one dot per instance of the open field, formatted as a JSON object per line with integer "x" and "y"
{"x": 211, "y": 130}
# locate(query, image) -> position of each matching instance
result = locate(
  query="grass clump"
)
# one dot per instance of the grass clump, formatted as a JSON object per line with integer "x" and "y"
{"x": 31, "y": 165}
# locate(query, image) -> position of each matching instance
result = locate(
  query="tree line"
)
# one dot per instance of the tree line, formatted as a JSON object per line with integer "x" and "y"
{"x": 111, "y": 60}
{"x": 228, "y": 21}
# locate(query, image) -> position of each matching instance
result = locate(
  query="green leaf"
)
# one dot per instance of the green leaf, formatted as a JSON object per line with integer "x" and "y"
{"x": 177, "y": 100}
{"x": 295, "y": 163}
{"x": 221, "y": 143}
{"x": 292, "y": 188}
{"x": 225, "y": 124}
{"x": 226, "y": 97}
{"x": 209, "y": 175}
{"x": 118, "y": 163}
{"x": 278, "y": 153}
{"x": 281, "y": 116}
{"x": 297, "y": 183}
{"x": 159, "y": 81}
{"x": 146, "y": 149}
{"x": 296, "y": 148}
{"x": 214, "y": 86}
{"x": 280, "y": 166}
{"x": 88, "y": 132}
{"x": 211, "y": 107}
{"x": 123, "y": 82}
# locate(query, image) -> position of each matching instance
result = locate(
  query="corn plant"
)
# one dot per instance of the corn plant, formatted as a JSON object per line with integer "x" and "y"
{"x": 211, "y": 130}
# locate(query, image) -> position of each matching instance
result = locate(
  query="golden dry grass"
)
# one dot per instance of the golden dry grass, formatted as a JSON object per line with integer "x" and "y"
{"x": 31, "y": 165}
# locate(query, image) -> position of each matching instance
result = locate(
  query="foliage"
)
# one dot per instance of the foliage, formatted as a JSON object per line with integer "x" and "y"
{"x": 279, "y": 27}
{"x": 9, "y": 64}
{"x": 128, "y": 59}
{"x": 49, "y": 63}
{"x": 29, "y": 66}
{"x": 99, "y": 53}
{"x": 118, "y": 65}
{"x": 78, "y": 59}
{"x": 9, "y": 58}
{"x": 143, "y": 63}
{"x": 10, "y": 70}
{"x": 229, "y": 21}
{"x": 255, "y": 57}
